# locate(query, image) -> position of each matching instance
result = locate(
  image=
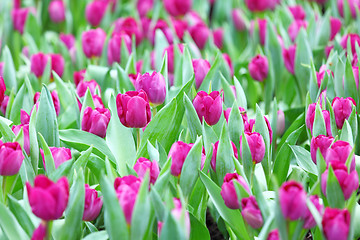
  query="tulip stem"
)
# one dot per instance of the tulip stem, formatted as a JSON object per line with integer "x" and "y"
{"x": 252, "y": 174}
{"x": 49, "y": 225}
{"x": 137, "y": 138}
{"x": 4, "y": 189}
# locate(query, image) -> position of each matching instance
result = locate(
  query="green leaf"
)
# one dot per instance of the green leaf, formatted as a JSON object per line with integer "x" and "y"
{"x": 210, "y": 75}
{"x": 246, "y": 158}
{"x": 9, "y": 73}
{"x": 229, "y": 97}
{"x": 346, "y": 133}
{"x": 34, "y": 144}
{"x": 319, "y": 127}
{"x": 124, "y": 82}
{"x": 101, "y": 235}
{"x": 21, "y": 215}
{"x": 187, "y": 67}
{"x": 303, "y": 158}
{"x": 236, "y": 125}
{"x": 171, "y": 229}
{"x": 5, "y": 130}
{"x": 198, "y": 230}
{"x": 262, "y": 128}
{"x": 49, "y": 160}
{"x": 10, "y": 226}
{"x": 193, "y": 120}
{"x": 21, "y": 101}
{"x": 240, "y": 94}
{"x": 334, "y": 194}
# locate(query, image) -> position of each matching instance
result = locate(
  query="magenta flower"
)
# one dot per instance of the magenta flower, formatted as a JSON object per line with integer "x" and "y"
{"x": 93, "y": 42}
{"x": 259, "y": 68}
{"x": 57, "y": 11}
{"x": 11, "y": 158}
{"x": 336, "y": 223}
{"x": 208, "y": 106}
{"x": 292, "y": 200}
{"x": 93, "y": 204}
{"x": 143, "y": 165}
{"x": 96, "y": 121}
{"x": 228, "y": 191}
{"x": 153, "y": 85}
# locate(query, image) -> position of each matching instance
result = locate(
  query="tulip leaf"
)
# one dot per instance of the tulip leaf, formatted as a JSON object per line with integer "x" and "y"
{"x": 87, "y": 102}
{"x": 303, "y": 158}
{"x": 114, "y": 218}
{"x": 10, "y": 226}
{"x": 49, "y": 160}
{"x": 349, "y": 82}
{"x": 210, "y": 75}
{"x": 124, "y": 82}
{"x": 5, "y": 130}
{"x": 247, "y": 158}
{"x": 262, "y": 128}
{"x": 229, "y": 97}
{"x": 319, "y": 127}
{"x": 352, "y": 120}
{"x": 236, "y": 126}
{"x": 198, "y": 230}
{"x": 62, "y": 170}
{"x": 171, "y": 229}
{"x": 240, "y": 94}
{"x": 193, "y": 120}
{"x": 34, "y": 144}
{"x": 21, "y": 215}
{"x": 9, "y": 73}
{"x": 81, "y": 162}
{"x": 21, "y": 101}
{"x": 123, "y": 148}
{"x": 334, "y": 194}
{"x": 100, "y": 235}
{"x": 187, "y": 66}
{"x": 346, "y": 133}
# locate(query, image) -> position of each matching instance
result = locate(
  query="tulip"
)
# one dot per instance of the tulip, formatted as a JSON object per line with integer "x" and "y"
{"x": 92, "y": 42}
{"x": 228, "y": 191}
{"x": 292, "y": 200}
{"x": 57, "y": 64}
{"x": 356, "y": 75}
{"x": 289, "y": 58}
{"x": 47, "y": 199}
{"x": 130, "y": 27}
{"x": 227, "y": 60}
{"x": 258, "y": 5}
{"x": 242, "y": 112}
{"x": 280, "y": 123}
{"x": 208, "y": 106}
{"x": 144, "y": 6}
{"x": 342, "y": 109}
{"x": 84, "y": 85}
{"x": 218, "y": 35}
{"x": 98, "y": 103}
{"x": 17, "y": 4}
{"x": 40, "y": 232}
{"x": 162, "y": 26}
{"x": 4, "y": 105}
{"x": 170, "y": 55}
{"x": 339, "y": 152}
{"x": 79, "y": 76}
{"x": 95, "y": 11}
{"x": 114, "y": 47}
{"x": 133, "y": 109}
{"x": 321, "y": 142}
{"x": 214, "y": 154}
{"x": 11, "y": 158}
{"x": 180, "y": 27}
{"x": 322, "y": 2}
{"x": 310, "y": 117}
{"x": 153, "y": 85}
{"x": 19, "y": 17}
{"x": 38, "y": 63}
{"x": 295, "y": 27}
{"x": 92, "y": 205}
{"x": 55, "y": 99}
{"x": 200, "y": 34}
{"x": 201, "y": 68}
{"x": 353, "y": 38}
{"x": 256, "y": 145}
{"x": 259, "y": 68}
{"x": 59, "y": 154}
{"x": 262, "y": 28}
{"x": 2, "y": 89}
{"x": 57, "y": 11}
{"x": 273, "y": 235}
{"x": 251, "y": 212}
{"x": 320, "y": 75}
{"x": 309, "y": 221}
{"x": 24, "y": 119}
{"x": 143, "y": 165}
{"x": 328, "y": 50}
{"x": 68, "y": 40}
{"x": 178, "y": 153}
{"x": 335, "y": 27}
{"x": 353, "y": 4}
{"x": 127, "y": 189}
{"x": 297, "y": 12}
{"x": 177, "y": 7}
{"x": 96, "y": 121}
{"x": 336, "y": 223}
{"x": 238, "y": 20}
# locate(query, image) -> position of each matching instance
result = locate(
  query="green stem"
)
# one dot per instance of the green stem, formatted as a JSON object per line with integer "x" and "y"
{"x": 252, "y": 174}
{"x": 137, "y": 138}
{"x": 301, "y": 94}
{"x": 49, "y": 225}
{"x": 4, "y": 189}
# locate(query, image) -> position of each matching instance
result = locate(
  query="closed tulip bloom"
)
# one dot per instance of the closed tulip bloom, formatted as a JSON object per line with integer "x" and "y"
{"x": 259, "y": 68}
{"x": 59, "y": 154}
{"x": 228, "y": 191}
{"x": 92, "y": 205}
{"x": 273, "y": 235}
{"x": 4, "y": 105}
{"x": 339, "y": 152}
{"x": 143, "y": 165}
{"x": 177, "y": 7}
{"x": 200, "y": 34}
{"x": 238, "y": 20}
{"x": 262, "y": 28}
{"x": 24, "y": 119}
{"x": 289, "y": 58}
{"x": 257, "y": 146}
{"x": 55, "y": 99}
{"x": 127, "y": 189}
{"x": 356, "y": 75}
{"x": 342, "y": 109}
{"x": 242, "y": 112}
{"x": 321, "y": 142}
{"x": 335, "y": 27}
{"x": 310, "y": 117}
{"x": 19, "y": 17}
{"x": 114, "y": 47}
{"x": 79, "y": 76}
{"x": 309, "y": 221}
{"x": 292, "y": 200}
{"x": 171, "y": 56}
{"x": 166, "y": 30}
{"x": 11, "y": 158}
{"x": 40, "y": 232}
{"x": 154, "y": 86}
{"x": 297, "y": 12}
{"x": 133, "y": 109}
{"x": 144, "y": 6}
{"x": 353, "y": 4}
{"x": 92, "y": 42}
{"x": 251, "y": 212}
{"x": 98, "y": 103}
{"x": 57, "y": 64}
{"x": 2, "y": 89}
{"x": 321, "y": 74}
{"x": 257, "y": 5}
{"x": 129, "y": 26}
{"x": 295, "y": 27}
{"x": 178, "y": 153}
{"x": 95, "y": 11}
{"x": 201, "y": 68}
{"x": 68, "y": 40}
{"x": 38, "y": 63}
{"x": 328, "y": 50}
{"x": 47, "y": 199}
{"x": 354, "y": 38}
{"x": 214, "y": 154}
{"x": 218, "y": 35}
{"x": 336, "y": 223}
{"x": 180, "y": 27}
{"x": 57, "y": 11}
{"x": 228, "y": 61}
{"x": 96, "y": 121}
{"x": 208, "y": 106}
{"x": 84, "y": 85}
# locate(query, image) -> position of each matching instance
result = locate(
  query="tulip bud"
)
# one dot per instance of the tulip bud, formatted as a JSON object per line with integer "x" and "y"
{"x": 178, "y": 153}
{"x": 342, "y": 109}
{"x": 133, "y": 109}
{"x": 38, "y": 63}
{"x": 47, "y": 199}
{"x": 289, "y": 58}
{"x": 144, "y": 6}
{"x": 93, "y": 204}
{"x": 353, "y": 5}
{"x": 321, "y": 142}
{"x": 57, "y": 64}
{"x": 258, "y": 5}
{"x": 153, "y": 85}
{"x": 218, "y": 35}
{"x": 11, "y": 158}
{"x": 297, "y": 12}
{"x": 127, "y": 189}
{"x": 201, "y": 68}
{"x": 242, "y": 112}
{"x": 170, "y": 55}
{"x": 95, "y": 11}
{"x": 4, "y": 105}
{"x": 79, "y": 76}
{"x": 2, "y": 89}
{"x": 142, "y": 165}
{"x": 237, "y": 17}
{"x": 130, "y": 27}
{"x": 356, "y": 75}
{"x": 114, "y": 47}
{"x": 295, "y": 27}
{"x": 208, "y": 106}
{"x": 292, "y": 200}
{"x": 310, "y": 117}
{"x": 256, "y": 145}
{"x": 92, "y": 42}
{"x": 68, "y": 40}
{"x": 339, "y": 152}
{"x": 180, "y": 27}
{"x": 336, "y": 223}
{"x": 59, "y": 154}
{"x": 259, "y": 68}
{"x": 55, "y": 99}
{"x": 96, "y": 121}
{"x": 228, "y": 191}
{"x": 214, "y": 154}
{"x": 328, "y": 50}
{"x": 16, "y": 4}
{"x": 273, "y": 235}
{"x": 280, "y": 123}
{"x": 200, "y": 34}
{"x": 40, "y": 232}
{"x": 262, "y": 27}
{"x": 163, "y": 26}
{"x": 84, "y": 85}
{"x": 19, "y": 17}
{"x": 335, "y": 27}
{"x": 309, "y": 221}
{"x": 354, "y": 38}
{"x": 320, "y": 75}
{"x": 177, "y": 7}
{"x": 57, "y": 11}
{"x": 98, "y": 103}
{"x": 251, "y": 212}
{"x": 227, "y": 59}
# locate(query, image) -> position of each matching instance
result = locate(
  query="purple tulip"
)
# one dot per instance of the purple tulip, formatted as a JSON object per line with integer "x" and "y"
{"x": 180, "y": 27}
{"x": 208, "y": 106}
{"x": 335, "y": 27}
{"x": 310, "y": 117}
{"x": 11, "y": 158}
{"x": 166, "y": 30}
{"x": 2, "y": 89}
{"x": 47, "y": 199}
{"x": 93, "y": 204}
{"x": 19, "y": 17}
{"x": 153, "y": 85}
{"x": 171, "y": 56}
{"x": 262, "y": 27}
{"x": 354, "y": 38}
{"x": 321, "y": 74}
{"x": 321, "y": 142}
{"x": 143, "y": 165}
{"x": 96, "y": 121}
{"x": 259, "y": 68}
{"x": 57, "y": 11}
{"x": 40, "y": 232}
{"x": 133, "y": 109}
{"x": 84, "y": 85}
{"x": 24, "y": 119}
{"x": 228, "y": 61}
{"x": 59, "y": 154}
{"x": 258, "y": 5}
{"x": 38, "y": 63}
{"x": 127, "y": 189}
{"x": 201, "y": 68}
{"x": 309, "y": 221}
{"x": 228, "y": 191}
{"x": 4, "y": 105}
{"x": 144, "y": 6}
{"x": 92, "y": 42}
{"x": 214, "y": 154}
{"x": 177, "y": 7}
{"x": 342, "y": 109}
{"x": 178, "y": 153}
{"x": 339, "y": 152}
{"x": 292, "y": 200}
{"x": 297, "y": 12}
{"x": 336, "y": 223}
{"x": 353, "y": 4}
{"x": 68, "y": 40}
{"x": 289, "y": 58}
{"x": 57, "y": 64}
{"x": 295, "y": 27}
{"x": 130, "y": 27}
{"x": 218, "y": 35}
{"x": 200, "y": 34}
{"x": 55, "y": 99}
{"x": 273, "y": 235}
{"x": 238, "y": 20}
{"x": 114, "y": 47}
{"x": 95, "y": 11}
{"x": 242, "y": 112}
{"x": 79, "y": 76}
{"x": 251, "y": 212}
{"x": 256, "y": 145}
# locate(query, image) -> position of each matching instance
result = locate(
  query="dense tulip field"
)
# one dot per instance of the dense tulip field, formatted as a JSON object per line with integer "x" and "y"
{"x": 179, "y": 119}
